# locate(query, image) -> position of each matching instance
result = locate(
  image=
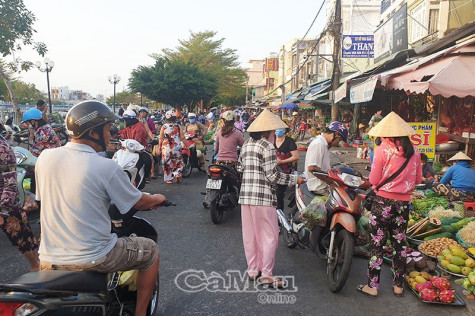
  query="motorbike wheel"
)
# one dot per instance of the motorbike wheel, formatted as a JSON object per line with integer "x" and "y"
{"x": 153, "y": 305}
{"x": 215, "y": 211}
{"x": 339, "y": 268}
{"x": 186, "y": 167}
{"x": 63, "y": 137}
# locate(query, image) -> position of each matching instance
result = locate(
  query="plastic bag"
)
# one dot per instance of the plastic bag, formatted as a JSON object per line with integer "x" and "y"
{"x": 30, "y": 203}
{"x": 363, "y": 236}
{"x": 129, "y": 278}
{"x": 314, "y": 214}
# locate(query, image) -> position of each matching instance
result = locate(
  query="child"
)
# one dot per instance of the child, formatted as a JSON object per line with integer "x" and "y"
{"x": 428, "y": 173}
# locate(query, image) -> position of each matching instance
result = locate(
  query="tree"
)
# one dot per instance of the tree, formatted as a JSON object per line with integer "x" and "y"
{"x": 16, "y": 29}
{"x": 127, "y": 97}
{"x": 221, "y": 63}
{"x": 173, "y": 82}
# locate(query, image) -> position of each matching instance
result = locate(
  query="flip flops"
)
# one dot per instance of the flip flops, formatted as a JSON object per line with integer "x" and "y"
{"x": 360, "y": 287}
{"x": 272, "y": 282}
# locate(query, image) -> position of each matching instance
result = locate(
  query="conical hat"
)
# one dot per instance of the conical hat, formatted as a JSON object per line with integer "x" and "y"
{"x": 266, "y": 121}
{"x": 460, "y": 156}
{"x": 392, "y": 125}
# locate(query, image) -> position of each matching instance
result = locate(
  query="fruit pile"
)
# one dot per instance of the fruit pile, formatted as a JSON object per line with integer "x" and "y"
{"x": 434, "y": 247}
{"x": 455, "y": 260}
{"x": 431, "y": 288}
{"x": 468, "y": 283}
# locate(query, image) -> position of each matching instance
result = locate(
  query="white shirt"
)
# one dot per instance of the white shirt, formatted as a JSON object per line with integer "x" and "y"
{"x": 76, "y": 186}
{"x": 317, "y": 155}
{"x": 210, "y": 116}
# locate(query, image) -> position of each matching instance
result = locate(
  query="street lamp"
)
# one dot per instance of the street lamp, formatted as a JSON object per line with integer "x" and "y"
{"x": 114, "y": 80}
{"x": 49, "y": 64}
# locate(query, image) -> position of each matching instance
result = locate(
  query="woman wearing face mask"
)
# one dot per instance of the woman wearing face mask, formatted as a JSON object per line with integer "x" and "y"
{"x": 42, "y": 135}
{"x": 260, "y": 229}
{"x": 200, "y": 130}
{"x": 287, "y": 155}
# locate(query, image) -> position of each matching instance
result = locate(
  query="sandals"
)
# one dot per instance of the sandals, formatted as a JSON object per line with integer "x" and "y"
{"x": 170, "y": 182}
{"x": 360, "y": 287}
{"x": 272, "y": 282}
{"x": 254, "y": 277}
{"x": 178, "y": 179}
{"x": 399, "y": 294}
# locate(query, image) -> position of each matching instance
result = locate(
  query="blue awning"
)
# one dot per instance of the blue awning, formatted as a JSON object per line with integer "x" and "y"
{"x": 289, "y": 106}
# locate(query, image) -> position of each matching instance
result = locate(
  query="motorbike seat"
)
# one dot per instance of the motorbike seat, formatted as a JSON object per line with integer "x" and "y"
{"x": 61, "y": 280}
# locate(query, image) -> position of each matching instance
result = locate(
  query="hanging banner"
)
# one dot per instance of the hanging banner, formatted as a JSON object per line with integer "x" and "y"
{"x": 357, "y": 46}
{"x": 340, "y": 93}
{"x": 364, "y": 91}
{"x": 424, "y": 140}
{"x": 391, "y": 36}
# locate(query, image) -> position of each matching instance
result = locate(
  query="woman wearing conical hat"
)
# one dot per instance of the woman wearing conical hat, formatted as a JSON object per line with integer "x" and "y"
{"x": 390, "y": 207}
{"x": 458, "y": 183}
{"x": 260, "y": 229}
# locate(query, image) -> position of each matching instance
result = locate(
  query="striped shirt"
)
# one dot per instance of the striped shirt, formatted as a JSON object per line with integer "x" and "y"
{"x": 260, "y": 173}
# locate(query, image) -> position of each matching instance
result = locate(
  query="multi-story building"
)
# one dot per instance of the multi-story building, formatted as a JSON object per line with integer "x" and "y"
{"x": 255, "y": 73}
{"x": 61, "y": 93}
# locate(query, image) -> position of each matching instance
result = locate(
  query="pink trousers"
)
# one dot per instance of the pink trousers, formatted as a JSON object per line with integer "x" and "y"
{"x": 260, "y": 234}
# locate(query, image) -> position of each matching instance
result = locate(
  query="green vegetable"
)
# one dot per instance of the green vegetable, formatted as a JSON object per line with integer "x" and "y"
{"x": 460, "y": 224}
{"x": 448, "y": 220}
{"x": 441, "y": 235}
{"x": 437, "y": 166}
{"x": 449, "y": 229}
{"x": 430, "y": 194}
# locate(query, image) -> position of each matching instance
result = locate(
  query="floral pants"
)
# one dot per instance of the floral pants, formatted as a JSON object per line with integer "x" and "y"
{"x": 172, "y": 162}
{"x": 453, "y": 194}
{"x": 388, "y": 218}
{"x": 18, "y": 230}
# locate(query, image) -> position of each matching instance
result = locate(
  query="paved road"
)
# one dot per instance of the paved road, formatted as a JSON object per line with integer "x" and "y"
{"x": 189, "y": 241}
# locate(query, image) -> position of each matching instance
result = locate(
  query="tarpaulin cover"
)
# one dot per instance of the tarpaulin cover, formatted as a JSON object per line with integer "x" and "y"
{"x": 289, "y": 106}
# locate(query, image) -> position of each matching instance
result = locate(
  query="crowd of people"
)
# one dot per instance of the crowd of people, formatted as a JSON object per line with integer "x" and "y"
{"x": 75, "y": 185}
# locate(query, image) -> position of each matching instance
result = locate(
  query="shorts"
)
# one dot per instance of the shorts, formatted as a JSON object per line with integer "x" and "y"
{"x": 129, "y": 253}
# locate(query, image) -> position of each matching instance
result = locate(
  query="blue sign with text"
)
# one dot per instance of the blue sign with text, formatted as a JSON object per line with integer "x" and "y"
{"x": 357, "y": 46}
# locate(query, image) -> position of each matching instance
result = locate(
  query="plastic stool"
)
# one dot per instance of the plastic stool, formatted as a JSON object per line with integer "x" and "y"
{"x": 469, "y": 209}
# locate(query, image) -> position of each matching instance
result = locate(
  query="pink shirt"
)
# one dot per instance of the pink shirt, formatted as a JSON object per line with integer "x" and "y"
{"x": 226, "y": 146}
{"x": 387, "y": 160}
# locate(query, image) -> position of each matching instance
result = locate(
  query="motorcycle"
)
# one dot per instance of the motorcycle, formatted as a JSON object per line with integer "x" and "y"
{"x": 60, "y": 292}
{"x": 222, "y": 191}
{"x": 128, "y": 158}
{"x": 61, "y": 132}
{"x": 334, "y": 239}
{"x": 191, "y": 156}
{"x": 25, "y": 162}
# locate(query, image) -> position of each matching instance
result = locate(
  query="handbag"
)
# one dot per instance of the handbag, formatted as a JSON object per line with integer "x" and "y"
{"x": 369, "y": 199}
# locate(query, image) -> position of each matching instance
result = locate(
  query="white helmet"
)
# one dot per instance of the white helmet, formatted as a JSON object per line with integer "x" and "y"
{"x": 229, "y": 116}
{"x": 170, "y": 114}
{"x": 191, "y": 115}
{"x": 129, "y": 114}
{"x": 143, "y": 108}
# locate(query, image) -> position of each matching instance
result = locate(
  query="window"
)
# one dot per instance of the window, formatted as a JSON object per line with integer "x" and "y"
{"x": 433, "y": 20}
{"x": 418, "y": 22}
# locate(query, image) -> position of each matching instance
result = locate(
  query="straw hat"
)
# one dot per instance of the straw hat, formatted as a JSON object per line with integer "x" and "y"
{"x": 392, "y": 125}
{"x": 361, "y": 125}
{"x": 266, "y": 121}
{"x": 460, "y": 156}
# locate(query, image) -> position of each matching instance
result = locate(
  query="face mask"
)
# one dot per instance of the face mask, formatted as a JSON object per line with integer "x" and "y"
{"x": 280, "y": 132}
{"x": 192, "y": 120}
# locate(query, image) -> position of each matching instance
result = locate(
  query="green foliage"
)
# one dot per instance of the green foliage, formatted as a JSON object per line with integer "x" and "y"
{"x": 220, "y": 63}
{"x": 127, "y": 97}
{"x": 173, "y": 82}
{"x": 26, "y": 92}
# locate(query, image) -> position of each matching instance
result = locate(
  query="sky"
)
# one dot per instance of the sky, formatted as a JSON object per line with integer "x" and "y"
{"x": 90, "y": 40}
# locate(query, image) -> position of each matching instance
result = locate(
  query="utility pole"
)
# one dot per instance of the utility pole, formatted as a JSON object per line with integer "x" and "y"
{"x": 283, "y": 74}
{"x": 336, "y": 30}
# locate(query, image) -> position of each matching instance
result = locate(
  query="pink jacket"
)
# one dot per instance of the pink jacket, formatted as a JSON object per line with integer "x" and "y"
{"x": 388, "y": 160}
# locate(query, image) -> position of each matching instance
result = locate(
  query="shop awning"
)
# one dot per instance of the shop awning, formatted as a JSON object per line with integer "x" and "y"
{"x": 315, "y": 92}
{"x": 289, "y": 106}
{"x": 450, "y": 72}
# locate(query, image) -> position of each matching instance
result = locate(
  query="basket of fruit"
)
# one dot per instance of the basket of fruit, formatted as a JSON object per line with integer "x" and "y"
{"x": 434, "y": 247}
{"x": 468, "y": 284}
{"x": 433, "y": 289}
{"x": 455, "y": 261}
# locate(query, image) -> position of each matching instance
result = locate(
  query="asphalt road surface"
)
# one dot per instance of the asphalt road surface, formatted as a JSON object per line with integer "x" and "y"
{"x": 201, "y": 265}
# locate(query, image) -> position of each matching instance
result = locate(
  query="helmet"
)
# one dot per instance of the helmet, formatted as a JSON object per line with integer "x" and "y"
{"x": 340, "y": 128}
{"x": 129, "y": 114}
{"x": 170, "y": 114}
{"x": 143, "y": 108}
{"x": 32, "y": 114}
{"x": 86, "y": 115}
{"x": 229, "y": 116}
{"x": 191, "y": 115}
{"x": 40, "y": 102}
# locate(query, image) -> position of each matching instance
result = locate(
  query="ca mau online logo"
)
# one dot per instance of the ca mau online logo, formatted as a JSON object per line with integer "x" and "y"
{"x": 231, "y": 281}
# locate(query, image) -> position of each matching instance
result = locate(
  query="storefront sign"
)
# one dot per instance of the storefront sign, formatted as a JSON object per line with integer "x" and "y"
{"x": 391, "y": 37}
{"x": 340, "y": 93}
{"x": 364, "y": 91}
{"x": 357, "y": 46}
{"x": 424, "y": 140}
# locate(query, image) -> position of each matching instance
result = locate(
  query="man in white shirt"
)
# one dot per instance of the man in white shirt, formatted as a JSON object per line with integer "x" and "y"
{"x": 318, "y": 155}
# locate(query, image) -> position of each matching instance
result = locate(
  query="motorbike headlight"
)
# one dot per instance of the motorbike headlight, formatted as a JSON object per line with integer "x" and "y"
{"x": 351, "y": 180}
{"x": 131, "y": 163}
{"x": 20, "y": 157}
{"x": 25, "y": 310}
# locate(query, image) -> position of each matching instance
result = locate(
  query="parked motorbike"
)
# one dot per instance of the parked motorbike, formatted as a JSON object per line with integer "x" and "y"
{"x": 60, "y": 130}
{"x": 191, "y": 156}
{"x": 222, "y": 191}
{"x": 25, "y": 170}
{"x": 128, "y": 158}
{"x": 333, "y": 240}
